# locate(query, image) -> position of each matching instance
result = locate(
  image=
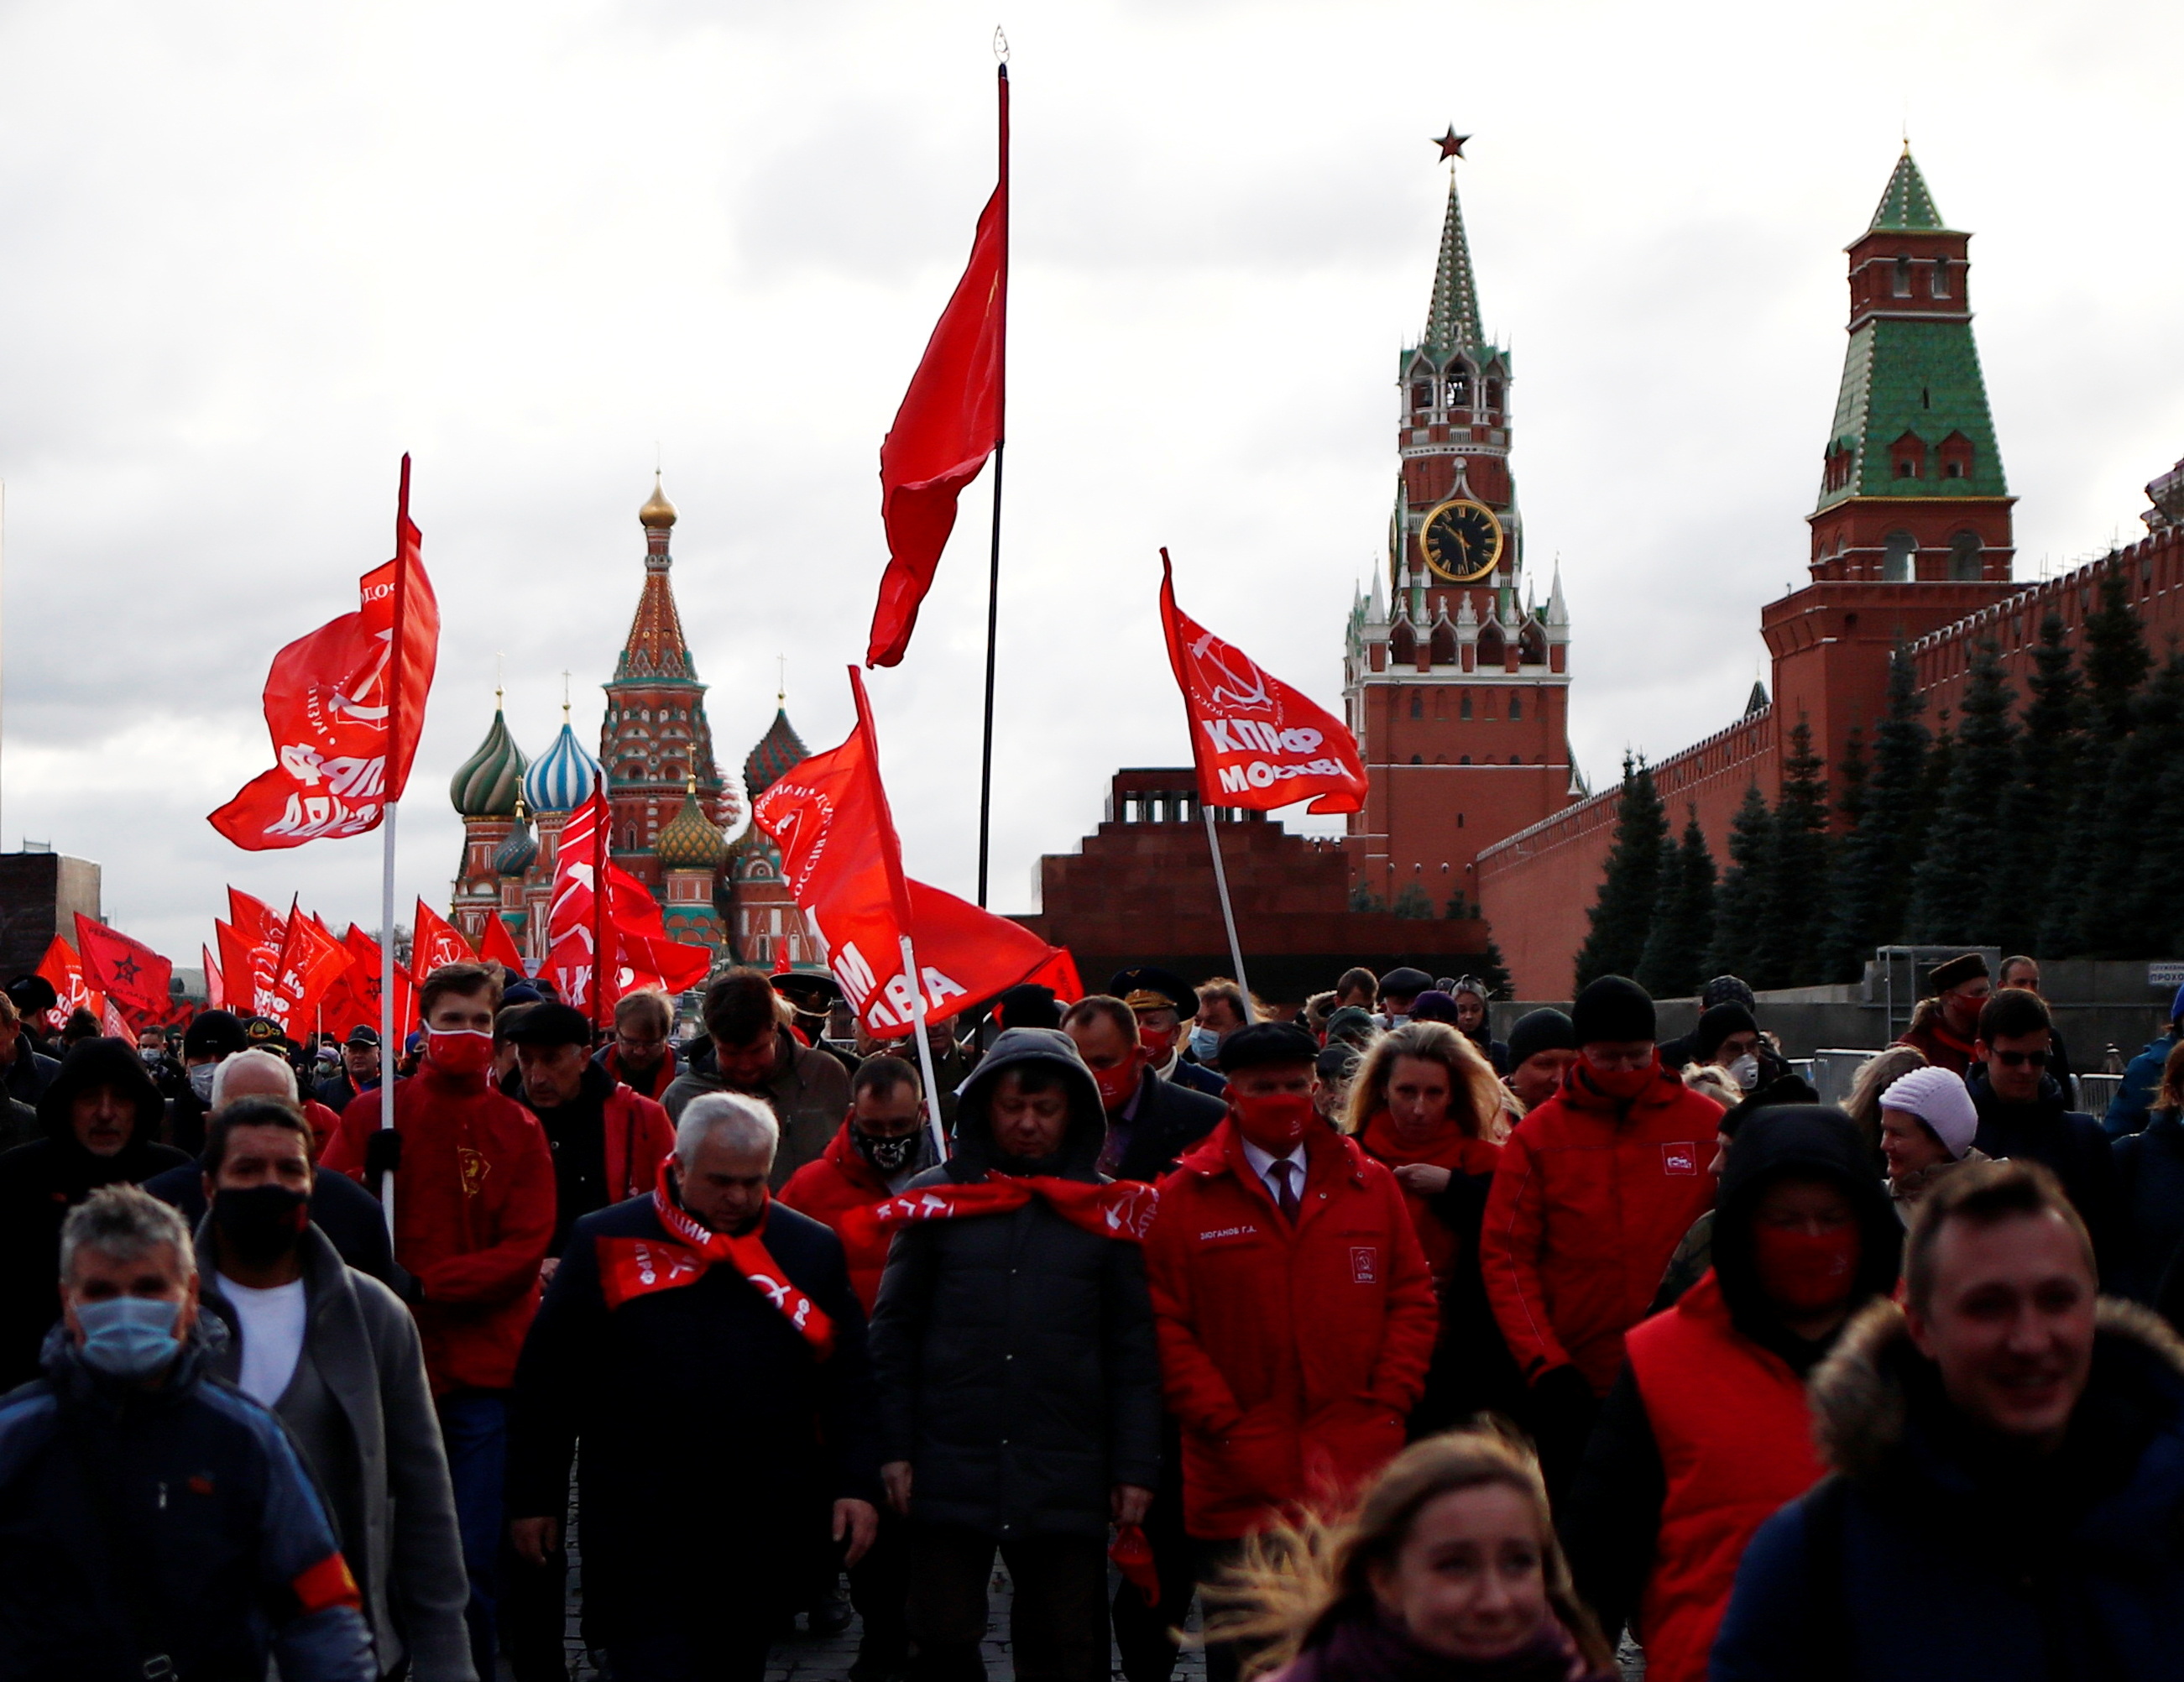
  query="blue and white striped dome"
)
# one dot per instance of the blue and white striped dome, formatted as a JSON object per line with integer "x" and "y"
{"x": 562, "y": 778}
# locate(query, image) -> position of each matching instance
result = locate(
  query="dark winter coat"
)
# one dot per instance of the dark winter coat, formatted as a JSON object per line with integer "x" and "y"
{"x": 1014, "y": 1353}
{"x": 1926, "y": 1557}
{"x": 30, "y": 1072}
{"x": 1196, "y": 1077}
{"x": 2150, "y": 1179}
{"x": 714, "y": 1441}
{"x": 350, "y": 1216}
{"x": 41, "y": 1182}
{"x": 2068, "y": 1142}
{"x": 363, "y": 1416}
{"x": 2132, "y": 1106}
{"x": 654, "y": 1085}
{"x": 1170, "y": 1119}
{"x": 607, "y": 1146}
{"x": 224, "y": 1534}
{"x": 1473, "y": 1371}
{"x": 1707, "y": 1431}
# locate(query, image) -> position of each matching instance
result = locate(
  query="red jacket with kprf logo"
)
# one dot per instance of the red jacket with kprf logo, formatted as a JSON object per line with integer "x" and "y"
{"x": 1290, "y": 1354}
{"x": 1591, "y": 1198}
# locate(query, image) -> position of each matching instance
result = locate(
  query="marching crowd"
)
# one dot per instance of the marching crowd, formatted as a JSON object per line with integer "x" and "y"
{"x": 1411, "y": 1354}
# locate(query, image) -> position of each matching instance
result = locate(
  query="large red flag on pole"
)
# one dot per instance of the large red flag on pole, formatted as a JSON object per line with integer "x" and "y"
{"x": 950, "y": 422}
{"x": 63, "y": 970}
{"x": 215, "y": 989}
{"x": 128, "y": 971}
{"x": 496, "y": 945}
{"x": 435, "y": 941}
{"x": 311, "y": 960}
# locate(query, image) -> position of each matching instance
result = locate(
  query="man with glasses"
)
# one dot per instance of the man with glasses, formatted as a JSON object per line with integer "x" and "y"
{"x": 2023, "y": 1113}
{"x": 641, "y": 1055}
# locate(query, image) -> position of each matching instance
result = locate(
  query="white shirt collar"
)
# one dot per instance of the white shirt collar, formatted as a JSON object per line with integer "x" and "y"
{"x": 1262, "y": 1161}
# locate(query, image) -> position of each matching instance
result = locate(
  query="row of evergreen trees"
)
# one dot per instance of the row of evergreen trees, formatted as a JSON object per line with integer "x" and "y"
{"x": 2058, "y": 829}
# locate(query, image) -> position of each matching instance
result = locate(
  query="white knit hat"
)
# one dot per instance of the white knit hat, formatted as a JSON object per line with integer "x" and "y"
{"x": 1940, "y": 1100}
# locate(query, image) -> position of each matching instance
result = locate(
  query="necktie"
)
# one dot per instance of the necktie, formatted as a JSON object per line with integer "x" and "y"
{"x": 1285, "y": 1197}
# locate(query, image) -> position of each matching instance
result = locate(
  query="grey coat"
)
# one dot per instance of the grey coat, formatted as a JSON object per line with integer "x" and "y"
{"x": 364, "y": 1419}
{"x": 1014, "y": 1353}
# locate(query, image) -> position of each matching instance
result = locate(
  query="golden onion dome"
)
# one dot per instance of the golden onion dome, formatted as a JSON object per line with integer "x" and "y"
{"x": 658, "y": 513}
{"x": 690, "y": 841}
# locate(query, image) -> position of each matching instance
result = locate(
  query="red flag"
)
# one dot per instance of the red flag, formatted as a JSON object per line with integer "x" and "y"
{"x": 364, "y": 984}
{"x": 128, "y": 971}
{"x": 311, "y": 960}
{"x": 626, "y": 918}
{"x": 215, "y": 989}
{"x": 435, "y": 941}
{"x": 248, "y": 969}
{"x": 345, "y": 706}
{"x": 781, "y": 957}
{"x": 1257, "y": 742}
{"x": 498, "y": 946}
{"x": 950, "y": 422}
{"x": 63, "y": 970}
{"x": 844, "y": 865}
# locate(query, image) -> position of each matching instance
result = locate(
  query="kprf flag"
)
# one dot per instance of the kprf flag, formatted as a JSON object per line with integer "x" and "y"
{"x": 250, "y": 952}
{"x": 598, "y": 906}
{"x": 345, "y": 706}
{"x": 435, "y": 941}
{"x": 311, "y": 960}
{"x": 829, "y": 816}
{"x": 128, "y": 971}
{"x": 63, "y": 970}
{"x": 950, "y": 422}
{"x": 498, "y": 946}
{"x": 1257, "y": 742}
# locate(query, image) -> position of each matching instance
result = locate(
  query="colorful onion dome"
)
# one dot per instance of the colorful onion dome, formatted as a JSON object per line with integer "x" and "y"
{"x": 520, "y": 851}
{"x": 690, "y": 841}
{"x": 657, "y": 511}
{"x": 489, "y": 782}
{"x": 780, "y": 748}
{"x": 563, "y": 778}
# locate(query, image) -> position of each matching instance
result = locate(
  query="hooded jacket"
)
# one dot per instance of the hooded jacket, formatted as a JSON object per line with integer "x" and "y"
{"x": 229, "y": 1552}
{"x": 360, "y": 1409}
{"x": 1014, "y": 1353}
{"x": 1707, "y": 1431}
{"x": 1926, "y": 1556}
{"x": 474, "y": 1211}
{"x": 1591, "y": 1198}
{"x": 1292, "y": 1353}
{"x": 2068, "y": 1142}
{"x": 41, "y": 1181}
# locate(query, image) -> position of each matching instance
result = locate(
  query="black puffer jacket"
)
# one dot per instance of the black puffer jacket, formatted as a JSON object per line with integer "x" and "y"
{"x": 1015, "y": 1356}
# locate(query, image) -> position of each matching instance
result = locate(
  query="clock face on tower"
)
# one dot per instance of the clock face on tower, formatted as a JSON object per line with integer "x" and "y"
{"x": 1462, "y": 541}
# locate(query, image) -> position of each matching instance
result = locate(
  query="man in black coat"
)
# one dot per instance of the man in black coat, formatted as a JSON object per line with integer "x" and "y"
{"x": 1160, "y": 999}
{"x": 101, "y": 1115}
{"x": 1018, "y": 1375}
{"x": 2023, "y": 1114}
{"x": 704, "y": 1346}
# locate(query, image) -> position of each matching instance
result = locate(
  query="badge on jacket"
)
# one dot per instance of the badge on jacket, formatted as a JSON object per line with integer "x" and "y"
{"x": 1364, "y": 1264}
{"x": 1680, "y": 1158}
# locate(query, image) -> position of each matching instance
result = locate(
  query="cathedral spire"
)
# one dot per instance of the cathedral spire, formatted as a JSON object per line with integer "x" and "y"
{"x": 1452, "y": 320}
{"x": 654, "y": 647}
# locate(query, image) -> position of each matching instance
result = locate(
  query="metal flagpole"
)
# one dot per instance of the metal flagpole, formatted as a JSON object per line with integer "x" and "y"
{"x": 387, "y": 1049}
{"x": 1228, "y": 915}
{"x": 1000, "y": 448}
{"x": 924, "y": 1050}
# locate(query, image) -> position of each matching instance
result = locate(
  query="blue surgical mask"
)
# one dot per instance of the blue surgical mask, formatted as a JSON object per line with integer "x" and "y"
{"x": 1204, "y": 1043}
{"x": 129, "y": 1336}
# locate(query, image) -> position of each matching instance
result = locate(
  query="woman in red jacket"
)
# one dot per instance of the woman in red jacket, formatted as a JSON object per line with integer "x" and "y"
{"x": 1707, "y": 1431}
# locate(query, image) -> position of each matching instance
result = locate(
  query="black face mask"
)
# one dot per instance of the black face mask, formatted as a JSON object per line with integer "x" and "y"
{"x": 261, "y": 1223}
{"x": 888, "y": 1156}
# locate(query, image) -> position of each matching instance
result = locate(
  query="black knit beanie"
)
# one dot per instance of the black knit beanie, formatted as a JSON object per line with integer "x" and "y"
{"x": 1538, "y": 1031}
{"x": 1614, "y": 1009}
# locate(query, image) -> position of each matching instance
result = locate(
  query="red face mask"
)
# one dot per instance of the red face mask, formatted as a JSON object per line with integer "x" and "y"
{"x": 1275, "y": 1122}
{"x": 459, "y": 1050}
{"x": 1116, "y": 1084}
{"x": 1803, "y": 1270}
{"x": 1157, "y": 1041}
{"x": 1622, "y": 1084}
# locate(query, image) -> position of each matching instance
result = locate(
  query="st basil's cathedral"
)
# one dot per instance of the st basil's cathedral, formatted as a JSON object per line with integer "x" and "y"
{"x": 680, "y": 824}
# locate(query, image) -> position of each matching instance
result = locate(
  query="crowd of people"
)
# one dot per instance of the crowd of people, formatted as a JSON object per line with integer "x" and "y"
{"x": 1404, "y": 1351}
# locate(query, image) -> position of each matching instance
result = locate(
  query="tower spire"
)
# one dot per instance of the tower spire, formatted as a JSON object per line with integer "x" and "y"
{"x": 1452, "y": 318}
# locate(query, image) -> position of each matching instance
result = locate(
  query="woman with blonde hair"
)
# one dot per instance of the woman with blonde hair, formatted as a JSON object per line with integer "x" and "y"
{"x": 1426, "y": 1103}
{"x": 1875, "y": 1075}
{"x": 1446, "y": 1570}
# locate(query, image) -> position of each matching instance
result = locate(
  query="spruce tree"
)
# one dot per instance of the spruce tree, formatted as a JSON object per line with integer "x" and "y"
{"x": 2030, "y": 817}
{"x": 1623, "y": 912}
{"x": 1673, "y": 965}
{"x": 2122, "y": 914}
{"x": 1491, "y": 968}
{"x": 1793, "y": 918}
{"x": 1872, "y": 860}
{"x": 1951, "y": 887}
{"x": 1743, "y": 896}
{"x": 2115, "y": 663}
{"x": 1412, "y": 902}
{"x": 1851, "y": 802}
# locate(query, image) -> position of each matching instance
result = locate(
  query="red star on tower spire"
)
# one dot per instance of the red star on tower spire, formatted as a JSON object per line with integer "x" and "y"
{"x": 1451, "y": 143}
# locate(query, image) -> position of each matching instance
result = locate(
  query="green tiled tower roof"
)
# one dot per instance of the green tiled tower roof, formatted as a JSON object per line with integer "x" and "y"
{"x": 1905, "y": 206}
{"x": 1452, "y": 318}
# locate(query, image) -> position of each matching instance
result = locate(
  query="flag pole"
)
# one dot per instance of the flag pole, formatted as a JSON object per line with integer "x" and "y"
{"x": 1000, "y": 449}
{"x": 924, "y": 1049}
{"x": 1228, "y": 915}
{"x": 388, "y": 1053}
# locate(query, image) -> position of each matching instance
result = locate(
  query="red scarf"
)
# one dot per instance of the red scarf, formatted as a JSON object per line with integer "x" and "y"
{"x": 1123, "y": 1209}
{"x": 637, "y": 1267}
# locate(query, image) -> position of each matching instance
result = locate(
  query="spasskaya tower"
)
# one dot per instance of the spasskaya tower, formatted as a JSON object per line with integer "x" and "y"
{"x": 1455, "y": 676}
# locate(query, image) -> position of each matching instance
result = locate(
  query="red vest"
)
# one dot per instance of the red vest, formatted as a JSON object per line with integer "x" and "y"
{"x": 1735, "y": 1437}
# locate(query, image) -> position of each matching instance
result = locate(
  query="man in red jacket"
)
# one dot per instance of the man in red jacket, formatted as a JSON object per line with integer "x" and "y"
{"x": 1295, "y": 1311}
{"x": 474, "y": 1208}
{"x": 1593, "y": 1191}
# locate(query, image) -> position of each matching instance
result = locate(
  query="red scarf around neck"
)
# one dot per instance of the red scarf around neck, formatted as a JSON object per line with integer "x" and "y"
{"x": 637, "y": 1267}
{"x": 1122, "y": 1209}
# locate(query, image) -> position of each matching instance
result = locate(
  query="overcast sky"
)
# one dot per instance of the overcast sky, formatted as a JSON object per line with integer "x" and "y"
{"x": 254, "y": 251}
